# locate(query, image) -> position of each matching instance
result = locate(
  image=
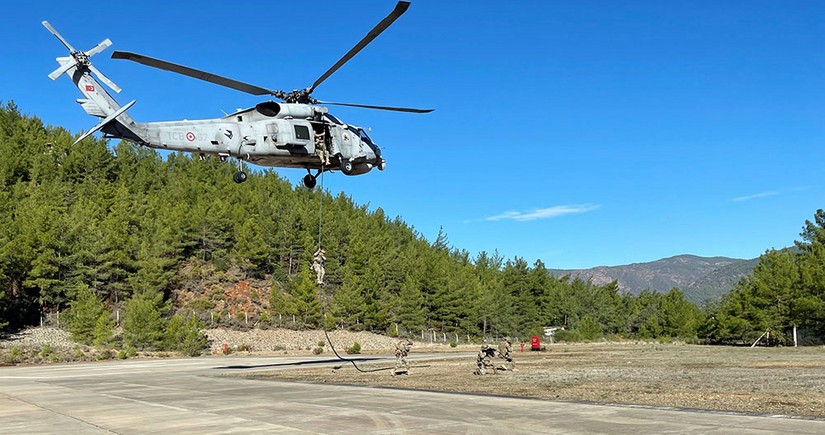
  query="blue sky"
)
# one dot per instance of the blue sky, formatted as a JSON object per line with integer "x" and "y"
{"x": 580, "y": 133}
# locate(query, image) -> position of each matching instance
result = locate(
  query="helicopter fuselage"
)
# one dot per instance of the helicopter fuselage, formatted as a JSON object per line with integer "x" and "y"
{"x": 270, "y": 134}
{"x": 298, "y": 133}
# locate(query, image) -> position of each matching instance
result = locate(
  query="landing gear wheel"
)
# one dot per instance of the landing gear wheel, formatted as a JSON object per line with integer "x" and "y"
{"x": 310, "y": 181}
{"x": 239, "y": 177}
{"x": 346, "y": 167}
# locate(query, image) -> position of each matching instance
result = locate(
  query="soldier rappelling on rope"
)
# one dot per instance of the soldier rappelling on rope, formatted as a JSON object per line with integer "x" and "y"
{"x": 318, "y": 260}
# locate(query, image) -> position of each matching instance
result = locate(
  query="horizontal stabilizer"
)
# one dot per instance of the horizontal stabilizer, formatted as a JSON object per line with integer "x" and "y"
{"x": 105, "y": 121}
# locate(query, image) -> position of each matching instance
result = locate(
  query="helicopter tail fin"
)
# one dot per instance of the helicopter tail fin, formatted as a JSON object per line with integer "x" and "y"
{"x": 96, "y": 100}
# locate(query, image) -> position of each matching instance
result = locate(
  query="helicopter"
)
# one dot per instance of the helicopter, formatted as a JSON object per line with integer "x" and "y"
{"x": 298, "y": 132}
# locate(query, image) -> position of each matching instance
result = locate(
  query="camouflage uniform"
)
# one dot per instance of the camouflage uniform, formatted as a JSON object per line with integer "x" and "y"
{"x": 318, "y": 264}
{"x": 485, "y": 360}
{"x": 504, "y": 351}
{"x": 402, "y": 349}
{"x": 321, "y": 148}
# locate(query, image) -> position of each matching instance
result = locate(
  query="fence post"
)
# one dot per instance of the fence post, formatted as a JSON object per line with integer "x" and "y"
{"x": 795, "y": 343}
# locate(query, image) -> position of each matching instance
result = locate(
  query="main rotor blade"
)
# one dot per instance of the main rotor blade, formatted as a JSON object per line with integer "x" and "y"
{"x": 365, "y": 106}
{"x": 191, "y": 72}
{"x": 400, "y": 8}
{"x": 99, "y": 47}
{"x": 54, "y": 32}
{"x": 62, "y": 68}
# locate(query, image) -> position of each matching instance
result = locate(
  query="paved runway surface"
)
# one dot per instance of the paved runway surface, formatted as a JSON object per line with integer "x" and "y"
{"x": 178, "y": 396}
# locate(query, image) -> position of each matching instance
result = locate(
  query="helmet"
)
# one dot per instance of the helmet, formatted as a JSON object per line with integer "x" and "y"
{"x": 484, "y": 347}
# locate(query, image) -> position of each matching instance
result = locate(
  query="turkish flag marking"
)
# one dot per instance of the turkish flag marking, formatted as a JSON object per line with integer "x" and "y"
{"x": 90, "y": 88}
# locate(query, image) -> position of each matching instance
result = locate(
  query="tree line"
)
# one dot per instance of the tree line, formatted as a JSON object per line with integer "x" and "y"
{"x": 786, "y": 292}
{"x": 120, "y": 224}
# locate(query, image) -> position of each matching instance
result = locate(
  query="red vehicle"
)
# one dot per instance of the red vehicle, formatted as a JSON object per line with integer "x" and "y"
{"x": 535, "y": 343}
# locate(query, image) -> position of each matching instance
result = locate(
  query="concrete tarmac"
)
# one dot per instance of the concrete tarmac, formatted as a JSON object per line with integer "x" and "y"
{"x": 193, "y": 396}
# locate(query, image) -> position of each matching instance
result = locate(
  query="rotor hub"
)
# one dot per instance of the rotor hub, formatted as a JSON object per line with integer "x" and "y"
{"x": 81, "y": 58}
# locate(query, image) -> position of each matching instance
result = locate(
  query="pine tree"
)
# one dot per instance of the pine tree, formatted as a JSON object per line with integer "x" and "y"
{"x": 679, "y": 317}
{"x": 143, "y": 323}
{"x": 85, "y": 312}
{"x": 305, "y": 298}
{"x": 184, "y": 335}
{"x": 280, "y": 304}
{"x": 411, "y": 306}
{"x": 104, "y": 330}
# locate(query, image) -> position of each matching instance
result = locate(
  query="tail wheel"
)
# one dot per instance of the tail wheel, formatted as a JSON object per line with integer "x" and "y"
{"x": 239, "y": 177}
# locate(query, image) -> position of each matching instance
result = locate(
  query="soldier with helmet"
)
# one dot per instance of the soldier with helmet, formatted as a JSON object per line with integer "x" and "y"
{"x": 402, "y": 349}
{"x": 485, "y": 360}
{"x": 505, "y": 350}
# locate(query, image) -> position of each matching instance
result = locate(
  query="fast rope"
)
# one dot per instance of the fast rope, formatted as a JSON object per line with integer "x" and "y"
{"x": 321, "y": 288}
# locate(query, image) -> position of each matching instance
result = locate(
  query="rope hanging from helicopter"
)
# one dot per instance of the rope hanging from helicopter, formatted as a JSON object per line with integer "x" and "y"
{"x": 321, "y": 286}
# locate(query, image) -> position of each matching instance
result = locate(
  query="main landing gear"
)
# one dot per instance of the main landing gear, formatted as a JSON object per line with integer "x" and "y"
{"x": 239, "y": 176}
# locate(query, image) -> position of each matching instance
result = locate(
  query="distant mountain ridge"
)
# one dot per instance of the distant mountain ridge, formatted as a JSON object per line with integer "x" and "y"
{"x": 702, "y": 279}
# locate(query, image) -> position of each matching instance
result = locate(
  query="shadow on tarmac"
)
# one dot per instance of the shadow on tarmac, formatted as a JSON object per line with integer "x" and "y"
{"x": 299, "y": 363}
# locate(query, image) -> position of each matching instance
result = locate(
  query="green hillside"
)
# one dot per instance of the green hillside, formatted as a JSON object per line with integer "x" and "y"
{"x": 95, "y": 229}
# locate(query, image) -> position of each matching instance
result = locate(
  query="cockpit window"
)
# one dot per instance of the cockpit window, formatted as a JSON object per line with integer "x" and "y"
{"x": 363, "y": 135}
{"x": 360, "y": 133}
{"x": 333, "y": 119}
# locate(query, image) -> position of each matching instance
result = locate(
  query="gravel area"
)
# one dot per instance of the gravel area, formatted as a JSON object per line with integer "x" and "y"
{"x": 783, "y": 381}
{"x": 259, "y": 341}
{"x": 37, "y": 338}
{"x": 289, "y": 341}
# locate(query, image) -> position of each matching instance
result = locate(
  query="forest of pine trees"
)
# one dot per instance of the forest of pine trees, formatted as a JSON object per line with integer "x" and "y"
{"x": 120, "y": 223}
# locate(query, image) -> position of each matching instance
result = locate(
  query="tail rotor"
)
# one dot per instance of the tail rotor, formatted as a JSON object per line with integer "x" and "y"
{"x": 80, "y": 59}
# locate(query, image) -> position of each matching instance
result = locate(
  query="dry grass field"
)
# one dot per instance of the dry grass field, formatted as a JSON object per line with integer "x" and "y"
{"x": 785, "y": 381}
